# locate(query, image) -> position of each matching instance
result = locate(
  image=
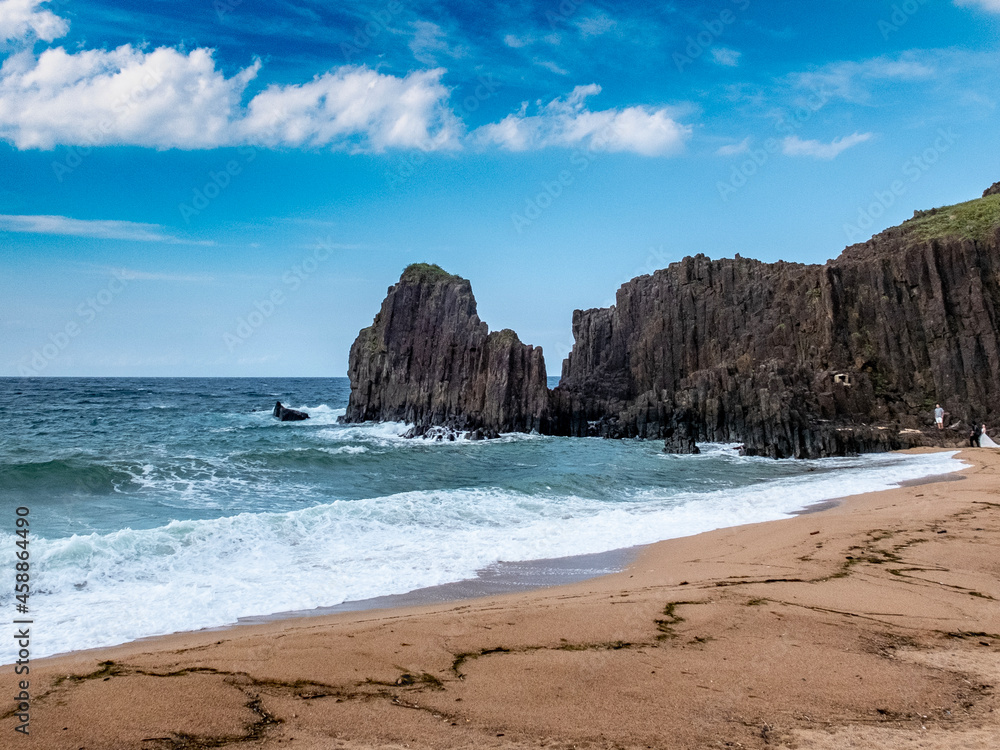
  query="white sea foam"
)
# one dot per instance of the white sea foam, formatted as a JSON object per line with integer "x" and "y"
{"x": 318, "y": 415}
{"x": 393, "y": 434}
{"x": 349, "y": 449}
{"x": 381, "y": 433}
{"x": 192, "y": 482}
{"x": 103, "y": 589}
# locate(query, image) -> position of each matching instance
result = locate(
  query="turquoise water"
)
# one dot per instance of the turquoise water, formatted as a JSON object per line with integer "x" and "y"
{"x": 160, "y": 505}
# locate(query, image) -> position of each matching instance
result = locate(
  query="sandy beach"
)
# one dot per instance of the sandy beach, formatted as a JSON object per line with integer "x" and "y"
{"x": 869, "y": 624}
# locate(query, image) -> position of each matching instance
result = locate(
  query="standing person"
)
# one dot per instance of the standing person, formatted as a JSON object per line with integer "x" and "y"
{"x": 985, "y": 441}
{"x": 939, "y": 416}
{"x": 974, "y": 438}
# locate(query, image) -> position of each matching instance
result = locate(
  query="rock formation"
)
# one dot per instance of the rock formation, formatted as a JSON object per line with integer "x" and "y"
{"x": 787, "y": 359}
{"x": 284, "y": 414}
{"x": 797, "y": 360}
{"x": 428, "y": 360}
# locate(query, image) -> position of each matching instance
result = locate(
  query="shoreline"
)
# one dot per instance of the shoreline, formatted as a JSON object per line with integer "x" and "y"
{"x": 493, "y": 580}
{"x": 721, "y": 605}
{"x": 504, "y": 577}
{"x": 528, "y": 575}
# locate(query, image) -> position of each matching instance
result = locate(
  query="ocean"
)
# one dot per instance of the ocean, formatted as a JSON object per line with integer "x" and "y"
{"x": 165, "y": 505}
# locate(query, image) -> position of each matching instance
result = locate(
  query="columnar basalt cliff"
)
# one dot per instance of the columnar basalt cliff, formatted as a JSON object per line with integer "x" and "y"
{"x": 796, "y": 360}
{"x": 428, "y": 359}
{"x": 788, "y": 359}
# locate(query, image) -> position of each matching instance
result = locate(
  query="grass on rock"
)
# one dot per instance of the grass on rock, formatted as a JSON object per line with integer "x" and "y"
{"x": 972, "y": 220}
{"x": 426, "y": 273}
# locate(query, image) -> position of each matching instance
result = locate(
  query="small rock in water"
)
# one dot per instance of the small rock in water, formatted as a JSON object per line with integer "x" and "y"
{"x": 285, "y": 414}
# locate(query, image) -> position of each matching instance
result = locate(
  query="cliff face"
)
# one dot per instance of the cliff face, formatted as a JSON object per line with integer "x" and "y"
{"x": 428, "y": 359}
{"x": 788, "y": 359}
{"x": 795, "y": 360}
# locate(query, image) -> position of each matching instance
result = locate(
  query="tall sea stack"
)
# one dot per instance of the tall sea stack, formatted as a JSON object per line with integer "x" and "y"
{"x": 788, "y": 359}
{"x": 428, "y": 359}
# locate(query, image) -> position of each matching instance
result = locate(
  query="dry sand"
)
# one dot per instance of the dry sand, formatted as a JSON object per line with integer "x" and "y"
{"x": 872, "y": 624}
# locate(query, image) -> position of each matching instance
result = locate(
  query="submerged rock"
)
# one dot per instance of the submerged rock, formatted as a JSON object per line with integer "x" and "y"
{"x": 288, "y": 415}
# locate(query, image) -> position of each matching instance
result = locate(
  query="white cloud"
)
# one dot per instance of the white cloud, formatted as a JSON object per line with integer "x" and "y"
{"x": 990, "y": 6}
{"x": 430, "y": 42}
{"x": 567, "y": 122}
{"x": 854, "y": 81}
{"x": 595, "y": 25}
{"x": 729, "y": 58}
{"x": 549, "y": 65}
{"x": 99, "y": 229}
{"x": 164, "y": 99}
{"x": 358, "y": 109}
{"x": 133, "y": 275}
{"x": 516, "y": 42}
{"x": 22, "y": 19}
{"x": 795, "y": 146}
{"x": 171, "y": 99}
{"x": 734, "y": 149}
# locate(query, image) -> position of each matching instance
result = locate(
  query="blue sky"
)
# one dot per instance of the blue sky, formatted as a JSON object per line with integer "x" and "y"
{"x": 229, "y": 187}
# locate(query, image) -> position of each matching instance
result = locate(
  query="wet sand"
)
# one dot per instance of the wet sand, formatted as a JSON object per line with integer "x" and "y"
{"x": 870, "y": 624}
{"x": 501, "y": 578}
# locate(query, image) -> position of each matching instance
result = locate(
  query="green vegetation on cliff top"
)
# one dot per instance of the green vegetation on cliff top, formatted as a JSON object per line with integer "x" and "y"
{"x": 972, "y": 220}
{"x": 427, "y": 273}
{"x": 505, "y": 336}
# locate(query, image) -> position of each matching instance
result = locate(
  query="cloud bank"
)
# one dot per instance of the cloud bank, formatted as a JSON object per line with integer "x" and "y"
{"x": 173, "y": 99}
{"x": 170, "y": 99}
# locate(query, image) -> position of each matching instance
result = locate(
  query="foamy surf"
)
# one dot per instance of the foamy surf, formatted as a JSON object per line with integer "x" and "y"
{"x": 191, "y": 574}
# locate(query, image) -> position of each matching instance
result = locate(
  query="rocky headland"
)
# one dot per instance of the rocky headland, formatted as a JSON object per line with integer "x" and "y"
{"x": 785, "y": 358}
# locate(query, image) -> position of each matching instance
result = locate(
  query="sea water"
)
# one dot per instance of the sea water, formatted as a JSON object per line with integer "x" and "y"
{"x": 164, "y": 505}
